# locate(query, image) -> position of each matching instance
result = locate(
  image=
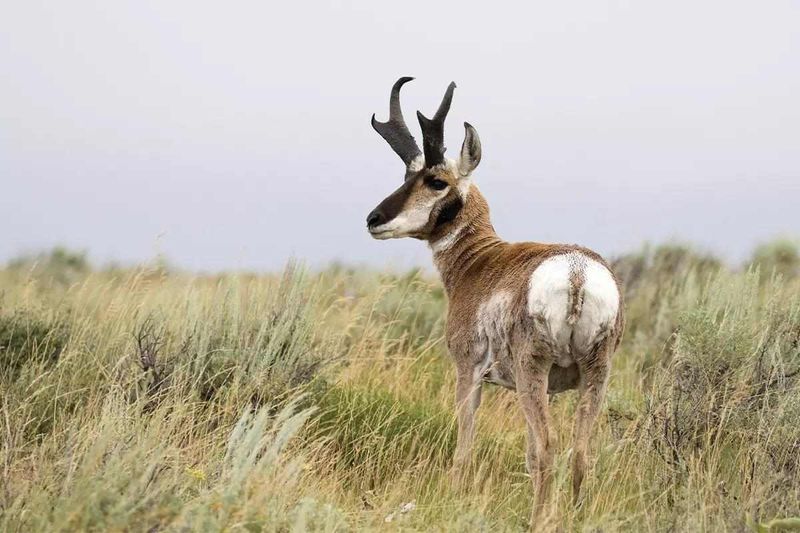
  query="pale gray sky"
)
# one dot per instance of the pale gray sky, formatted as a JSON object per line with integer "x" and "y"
{"x": 236, "y": 134}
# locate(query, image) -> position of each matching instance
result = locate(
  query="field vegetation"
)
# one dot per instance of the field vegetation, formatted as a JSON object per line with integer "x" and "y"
{"x": 146, "y": 399}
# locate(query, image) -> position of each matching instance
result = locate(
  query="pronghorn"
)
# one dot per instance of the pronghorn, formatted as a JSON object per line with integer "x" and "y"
{"x": 534, "y": 318}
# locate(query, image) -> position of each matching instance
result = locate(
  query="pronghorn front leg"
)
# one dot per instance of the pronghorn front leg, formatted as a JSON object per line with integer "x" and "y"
{"x": 468, "y": 398}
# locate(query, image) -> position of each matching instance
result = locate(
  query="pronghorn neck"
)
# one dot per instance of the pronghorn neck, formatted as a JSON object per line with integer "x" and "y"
{"x": 471, "y": 234}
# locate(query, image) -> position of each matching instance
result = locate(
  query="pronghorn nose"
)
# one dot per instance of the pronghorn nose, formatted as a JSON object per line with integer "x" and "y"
{"x": 375, "y": 218}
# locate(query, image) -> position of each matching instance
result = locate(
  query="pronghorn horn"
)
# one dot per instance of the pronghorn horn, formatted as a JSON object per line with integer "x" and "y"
{"x": 433, "y": 130}
{"x": 395, "y": 131}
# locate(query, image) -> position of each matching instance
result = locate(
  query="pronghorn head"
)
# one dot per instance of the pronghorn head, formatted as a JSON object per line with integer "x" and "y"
{"x": 435, "y": 188}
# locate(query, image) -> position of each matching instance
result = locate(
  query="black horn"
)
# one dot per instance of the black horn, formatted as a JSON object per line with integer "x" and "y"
{"x": 433, "y": 130}
{"x": 395, "y": 131}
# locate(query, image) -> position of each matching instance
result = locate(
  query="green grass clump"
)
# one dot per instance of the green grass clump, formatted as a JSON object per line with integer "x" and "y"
{"x": 360, "y": 422}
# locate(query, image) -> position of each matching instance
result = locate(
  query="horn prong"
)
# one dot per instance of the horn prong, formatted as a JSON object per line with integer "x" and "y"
{"x": 433, "y": 129}
{"x": 444, "y": 107}
{"x": 394, "y": 130}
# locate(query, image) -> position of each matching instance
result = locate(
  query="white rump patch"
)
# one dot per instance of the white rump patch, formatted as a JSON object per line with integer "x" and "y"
{"x": 600, "y": 305}
{"x": 548, "y": 298}
{"x": 549, "y": 293}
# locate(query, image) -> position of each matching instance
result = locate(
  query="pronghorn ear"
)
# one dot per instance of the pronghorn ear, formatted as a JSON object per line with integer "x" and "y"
{"x": 470, "y": 151}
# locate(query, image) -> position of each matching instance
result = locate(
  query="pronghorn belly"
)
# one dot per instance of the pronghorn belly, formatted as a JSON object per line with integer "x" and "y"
{"x": 574, "y": 302}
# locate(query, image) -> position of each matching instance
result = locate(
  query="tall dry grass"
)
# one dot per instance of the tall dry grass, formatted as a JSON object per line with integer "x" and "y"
{"x": 149, "y": 400}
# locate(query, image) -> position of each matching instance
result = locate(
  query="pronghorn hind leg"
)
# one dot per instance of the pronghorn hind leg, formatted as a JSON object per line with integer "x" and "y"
{"x": 531, "y": 379}
{"x": 594, "y": 380}
{"x": 468, "y": 399}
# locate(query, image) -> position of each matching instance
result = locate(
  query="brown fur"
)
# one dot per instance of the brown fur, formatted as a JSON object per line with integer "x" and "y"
{"x": 577, "y": 278}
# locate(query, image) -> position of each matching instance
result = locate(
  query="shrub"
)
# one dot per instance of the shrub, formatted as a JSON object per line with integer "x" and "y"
{"x": 661, "y": 265}
{"x": 233, "y": 350}
{"x": 59, "y": 265}
{"x": 734, "y": 383}
{"x": 781, "y": 256}
{"x": 25, "y": 338}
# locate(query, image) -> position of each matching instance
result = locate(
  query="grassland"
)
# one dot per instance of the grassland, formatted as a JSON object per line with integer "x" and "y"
{"x": 149, "y": 400}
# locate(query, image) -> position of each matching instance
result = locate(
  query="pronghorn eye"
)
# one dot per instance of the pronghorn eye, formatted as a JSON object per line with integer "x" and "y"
{"x": 437, "y": 184}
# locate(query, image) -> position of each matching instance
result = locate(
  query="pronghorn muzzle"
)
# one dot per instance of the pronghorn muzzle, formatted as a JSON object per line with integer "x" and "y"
{"x": 390, "y": 207}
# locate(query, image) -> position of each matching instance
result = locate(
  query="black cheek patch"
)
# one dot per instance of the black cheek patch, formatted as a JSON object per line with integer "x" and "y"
{"x": 449, "y": 212}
